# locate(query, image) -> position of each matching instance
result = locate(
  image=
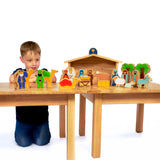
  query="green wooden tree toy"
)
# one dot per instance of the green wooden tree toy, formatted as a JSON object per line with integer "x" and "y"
{"x": 143, "y": 69}
{"x": 127, "y": 70}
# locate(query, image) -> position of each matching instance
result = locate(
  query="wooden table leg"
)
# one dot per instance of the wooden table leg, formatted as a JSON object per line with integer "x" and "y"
{"x": 71, "y": 127}
{"x": 96, "y": 129}
{"x": 82, "y": 112}
{"x": 62, "y": 121}
{"x": 139, "y": 119}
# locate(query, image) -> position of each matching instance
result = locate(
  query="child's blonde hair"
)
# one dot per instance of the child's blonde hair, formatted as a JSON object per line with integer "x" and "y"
{"x": 30, "y": 46}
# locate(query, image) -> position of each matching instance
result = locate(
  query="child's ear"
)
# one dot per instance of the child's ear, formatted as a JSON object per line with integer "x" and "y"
{"x": 21, "y": 59}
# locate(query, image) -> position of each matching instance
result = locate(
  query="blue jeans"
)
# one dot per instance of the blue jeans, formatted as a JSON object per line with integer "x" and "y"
{"x": 26, "y": 134}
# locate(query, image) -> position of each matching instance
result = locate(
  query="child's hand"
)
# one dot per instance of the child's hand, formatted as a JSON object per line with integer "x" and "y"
{"x": 33, "y": 78}
{"x": 12, "y": 79}
{"x": 54, "y": 79}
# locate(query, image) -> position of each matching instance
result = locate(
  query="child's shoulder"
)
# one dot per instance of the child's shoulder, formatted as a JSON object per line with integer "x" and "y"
{"x": 18, "y": 69}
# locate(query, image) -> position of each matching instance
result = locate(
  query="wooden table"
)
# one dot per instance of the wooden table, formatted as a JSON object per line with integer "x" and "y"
{"x": 44, "y": 96}
{"x": 113, "y": 95}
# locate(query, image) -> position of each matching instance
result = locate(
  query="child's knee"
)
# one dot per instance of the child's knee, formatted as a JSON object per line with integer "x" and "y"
{"x": 23, "y": 142}
{"x": 42, "y": 142}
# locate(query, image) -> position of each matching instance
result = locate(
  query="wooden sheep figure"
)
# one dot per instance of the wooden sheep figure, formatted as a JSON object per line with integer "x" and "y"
{"x": 130, "y": 85}
{"x": 119, "y": 81}
{"x": 144, "y": 81}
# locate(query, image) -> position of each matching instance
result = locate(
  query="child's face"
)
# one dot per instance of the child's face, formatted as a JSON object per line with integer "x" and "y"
{"x": 31, "y": 60}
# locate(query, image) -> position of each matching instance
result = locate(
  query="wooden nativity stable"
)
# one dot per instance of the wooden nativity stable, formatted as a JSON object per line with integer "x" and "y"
{"x": 95, "y": 63}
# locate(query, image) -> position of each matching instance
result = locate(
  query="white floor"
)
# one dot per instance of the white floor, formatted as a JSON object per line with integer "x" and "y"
{"x": 119, "y": 139}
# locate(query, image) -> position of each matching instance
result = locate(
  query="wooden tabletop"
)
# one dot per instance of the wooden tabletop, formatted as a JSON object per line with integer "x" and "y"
{"x": 7, "y": 88}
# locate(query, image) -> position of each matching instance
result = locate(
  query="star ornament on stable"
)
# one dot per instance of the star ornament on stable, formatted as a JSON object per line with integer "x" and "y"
{"x": 93, "y": 51}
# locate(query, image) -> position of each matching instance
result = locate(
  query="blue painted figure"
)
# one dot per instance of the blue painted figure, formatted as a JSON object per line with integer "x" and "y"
{"x": 113, "y": 75}
{"x": 22, "y": 79}
{"x": 144, "y": 81}
{"x": 81, "y": 72}
{"x": 93, "y": 51}
{"x": 125, "y": 76}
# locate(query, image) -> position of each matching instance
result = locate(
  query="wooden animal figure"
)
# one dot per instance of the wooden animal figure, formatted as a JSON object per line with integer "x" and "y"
{"x": 130, "y": 85}
{"x": 113, "y": 75}
{"x": 69, "y": 85}
{"x": 48, "y": 77}
{"x": 22, "y": 79}
{"x": 144, "y": 81}
{"x": 40, "y": 79}
{"x": 30, "y": 71}
{"x": 119, "y": 81}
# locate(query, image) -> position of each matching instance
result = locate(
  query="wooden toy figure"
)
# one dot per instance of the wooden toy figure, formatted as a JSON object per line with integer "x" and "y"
{"x": 135, "y": 77}
{"x": 48, "y": 77}
{"x": 91, "y": 76}
{"x": 22, "y": 79}
{"x": 125, "y": 75}
{"x": 71, "y": 73}
{"x": 144, "y": 81}
{"x": 40, "y": 79}
{"x": 65, "y": 72}
{"x": 81, "y": 73}
{"x": 65, "y": 81}
{"x": 30, "y": 71}
{"x": 113, "y": 75}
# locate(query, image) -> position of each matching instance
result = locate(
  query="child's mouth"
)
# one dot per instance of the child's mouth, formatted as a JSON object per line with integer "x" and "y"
{"x": 33, "y": 68}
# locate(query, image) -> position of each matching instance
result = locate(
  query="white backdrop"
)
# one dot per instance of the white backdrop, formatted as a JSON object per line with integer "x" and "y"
{"x": 125, "y": 30}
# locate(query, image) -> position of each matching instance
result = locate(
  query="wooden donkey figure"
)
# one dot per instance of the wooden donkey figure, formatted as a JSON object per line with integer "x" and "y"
{"x": 144, "y": 81}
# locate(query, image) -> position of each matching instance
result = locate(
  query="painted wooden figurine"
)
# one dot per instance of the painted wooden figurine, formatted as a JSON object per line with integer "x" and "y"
{"x": 30, "y": 71}
{"x": 71, "y": 73}
{"x": 135, "y": 77}
{"x": 144, "y": 81}
{"x": 113, "y": 75}
{"x": 84, "y": 79}
{"x": 91, "y": 76}
{"x": 81, "y": 73}
{"x": 40, "y": 79}
{"x": 67, "y": 81}
{"x": 125, "y": 76}
{"x": 22, "y": 79}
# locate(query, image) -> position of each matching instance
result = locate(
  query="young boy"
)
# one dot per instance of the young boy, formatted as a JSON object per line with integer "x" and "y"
{"x": 32, "y": 124}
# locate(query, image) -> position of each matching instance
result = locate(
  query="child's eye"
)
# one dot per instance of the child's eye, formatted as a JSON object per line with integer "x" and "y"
{"x": 37, "y": 60}
{"x": 29, "y": 60}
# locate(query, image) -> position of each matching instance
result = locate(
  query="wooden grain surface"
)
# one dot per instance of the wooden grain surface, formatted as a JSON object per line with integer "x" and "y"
{"x": 7, "y": 88}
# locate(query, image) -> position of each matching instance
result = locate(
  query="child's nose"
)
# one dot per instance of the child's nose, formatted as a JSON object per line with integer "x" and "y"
{"x": 34, "y": 62}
